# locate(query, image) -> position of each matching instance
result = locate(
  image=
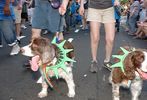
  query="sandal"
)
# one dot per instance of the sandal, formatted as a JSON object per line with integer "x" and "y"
{"x": 108, "y": 65}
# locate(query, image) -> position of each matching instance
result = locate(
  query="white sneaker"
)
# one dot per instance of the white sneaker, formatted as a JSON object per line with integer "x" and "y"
{"x": 23, "y": 26}
{"x": 20, "y": 37}
{"x": 45, "y": 32}
{"x": 1, "y": 46}
{"x": 15, "y": 50}
{"x": 77, "y": 30}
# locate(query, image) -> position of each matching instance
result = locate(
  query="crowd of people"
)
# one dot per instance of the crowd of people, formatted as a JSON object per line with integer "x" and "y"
{"x": 137, "y": 19}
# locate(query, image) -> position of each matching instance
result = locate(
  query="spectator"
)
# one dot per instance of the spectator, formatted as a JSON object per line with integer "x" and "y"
{"x": 142, "y": 22}
{"x": 117, "y": 14}
{"x": 31, "y": 10}
{"x": 17, "y": 10}
{"x": 134, "y": 11}
{"x": 46, "y": 17}
{"x": 24, "y": 14}
{"x": 100, "y": 11}
{"x": 7, "y": 27}
{"x": 84, "y": 19}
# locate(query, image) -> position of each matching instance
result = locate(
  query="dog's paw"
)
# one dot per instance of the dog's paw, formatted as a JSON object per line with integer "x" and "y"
{"x": 71, "y": 95}
{"x": 42, "y": 94}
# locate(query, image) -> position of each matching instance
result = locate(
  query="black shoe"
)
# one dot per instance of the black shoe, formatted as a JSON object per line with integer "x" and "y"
{"x": 94, "y": 67}
{"x": 18, "y": 41}
{"x": 27, "y": 65}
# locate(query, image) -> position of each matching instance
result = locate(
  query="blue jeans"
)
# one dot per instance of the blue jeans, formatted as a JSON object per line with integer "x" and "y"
{"x": 7, "y": 30}
{"x": 132, "y": 23}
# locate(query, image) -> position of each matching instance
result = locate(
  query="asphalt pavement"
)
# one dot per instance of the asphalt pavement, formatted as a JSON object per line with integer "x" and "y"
{"x": 18, "y": 83}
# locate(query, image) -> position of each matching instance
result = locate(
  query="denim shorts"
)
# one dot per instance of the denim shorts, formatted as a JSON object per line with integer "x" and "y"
{"x": 46, "y": 17}
{"x": 7, "y": 30}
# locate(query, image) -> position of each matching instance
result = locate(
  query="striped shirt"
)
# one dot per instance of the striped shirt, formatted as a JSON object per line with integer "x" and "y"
{"x": 4, "y": 17}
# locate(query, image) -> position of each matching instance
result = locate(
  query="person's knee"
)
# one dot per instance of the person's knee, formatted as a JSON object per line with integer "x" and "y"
{"x": 95, "y": 40}
{"x": 109, "y": 40}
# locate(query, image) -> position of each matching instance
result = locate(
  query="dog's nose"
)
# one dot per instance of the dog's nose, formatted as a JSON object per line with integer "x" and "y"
{"x": 22, "y": 50}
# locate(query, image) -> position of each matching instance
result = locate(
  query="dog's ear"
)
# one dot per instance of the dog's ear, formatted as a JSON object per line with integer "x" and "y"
{"x": 129, "y": 67}
{"x": 133, "y": 61}
{"x": 117, "y": 75}
{"x": 137, "y": 58}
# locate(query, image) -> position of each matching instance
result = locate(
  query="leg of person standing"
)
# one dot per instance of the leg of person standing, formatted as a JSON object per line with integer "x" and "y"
{"x": 17, "y": 11}
{"x": 109, "y": 24}
{"x": 94, "y": 35}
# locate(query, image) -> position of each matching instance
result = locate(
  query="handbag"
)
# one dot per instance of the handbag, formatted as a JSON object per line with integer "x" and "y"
{"x": 55, "y": 3}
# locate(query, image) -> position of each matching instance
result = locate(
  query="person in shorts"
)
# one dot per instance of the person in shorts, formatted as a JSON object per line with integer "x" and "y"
{"x": 100, "y": 11}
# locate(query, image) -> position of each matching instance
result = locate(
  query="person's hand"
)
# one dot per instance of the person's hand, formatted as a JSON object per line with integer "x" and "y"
{"x": 62, "y": 9}
{"x": 116, "y": 3}
{"x": 6, "y": 10}
{"x": 81, "y": 10}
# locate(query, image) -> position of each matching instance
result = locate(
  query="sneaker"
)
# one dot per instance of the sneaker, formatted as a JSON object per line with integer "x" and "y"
{"x": 45, "y": 32}
{"x": 27, "y": 64}
{"x": 94, "y": 67}
{"x": 77, "y": 30}
{"x": 108, "y": 65}
{"x": 15, "y": 50}
{"x": 131, "y": 34}
{"x": 23, "y": 26}
{"x": 1, "y": 45}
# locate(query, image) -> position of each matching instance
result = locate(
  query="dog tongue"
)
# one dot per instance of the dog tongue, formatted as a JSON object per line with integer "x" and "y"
{"x": 143, "y": 74}
{"x": 34, "y": 63}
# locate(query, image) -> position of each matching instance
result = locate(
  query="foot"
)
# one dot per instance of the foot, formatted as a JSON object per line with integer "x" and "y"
{"x": 94, "y": 67}
{"x": 71, "y": 95}
{"x": 42, "y": 94}
{"x": 77, "y": 30}
{"x": 108, "y": 65}
{"x": 27, "y": 65}
{"x": 15, "y": 50}
{"x": 131, "y": 34}
{"x": 23, "y": 26}
{"x": 1, "y": 45}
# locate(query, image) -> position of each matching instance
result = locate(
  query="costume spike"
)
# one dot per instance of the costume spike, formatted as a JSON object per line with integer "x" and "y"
{"x": 124, "y": 50}
{"x": 56, "y": 72}
{"x": 61, "y": 44}
{"x": 54, "y": 40}
{"x": 68, "y": 59}
{"x": 117, "y": 56}
{"x": 68, "y": 50}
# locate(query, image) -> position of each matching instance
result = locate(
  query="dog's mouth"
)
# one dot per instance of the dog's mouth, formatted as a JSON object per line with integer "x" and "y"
{"x": 142, "y": 74}
{"x": 34, "y": 62}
